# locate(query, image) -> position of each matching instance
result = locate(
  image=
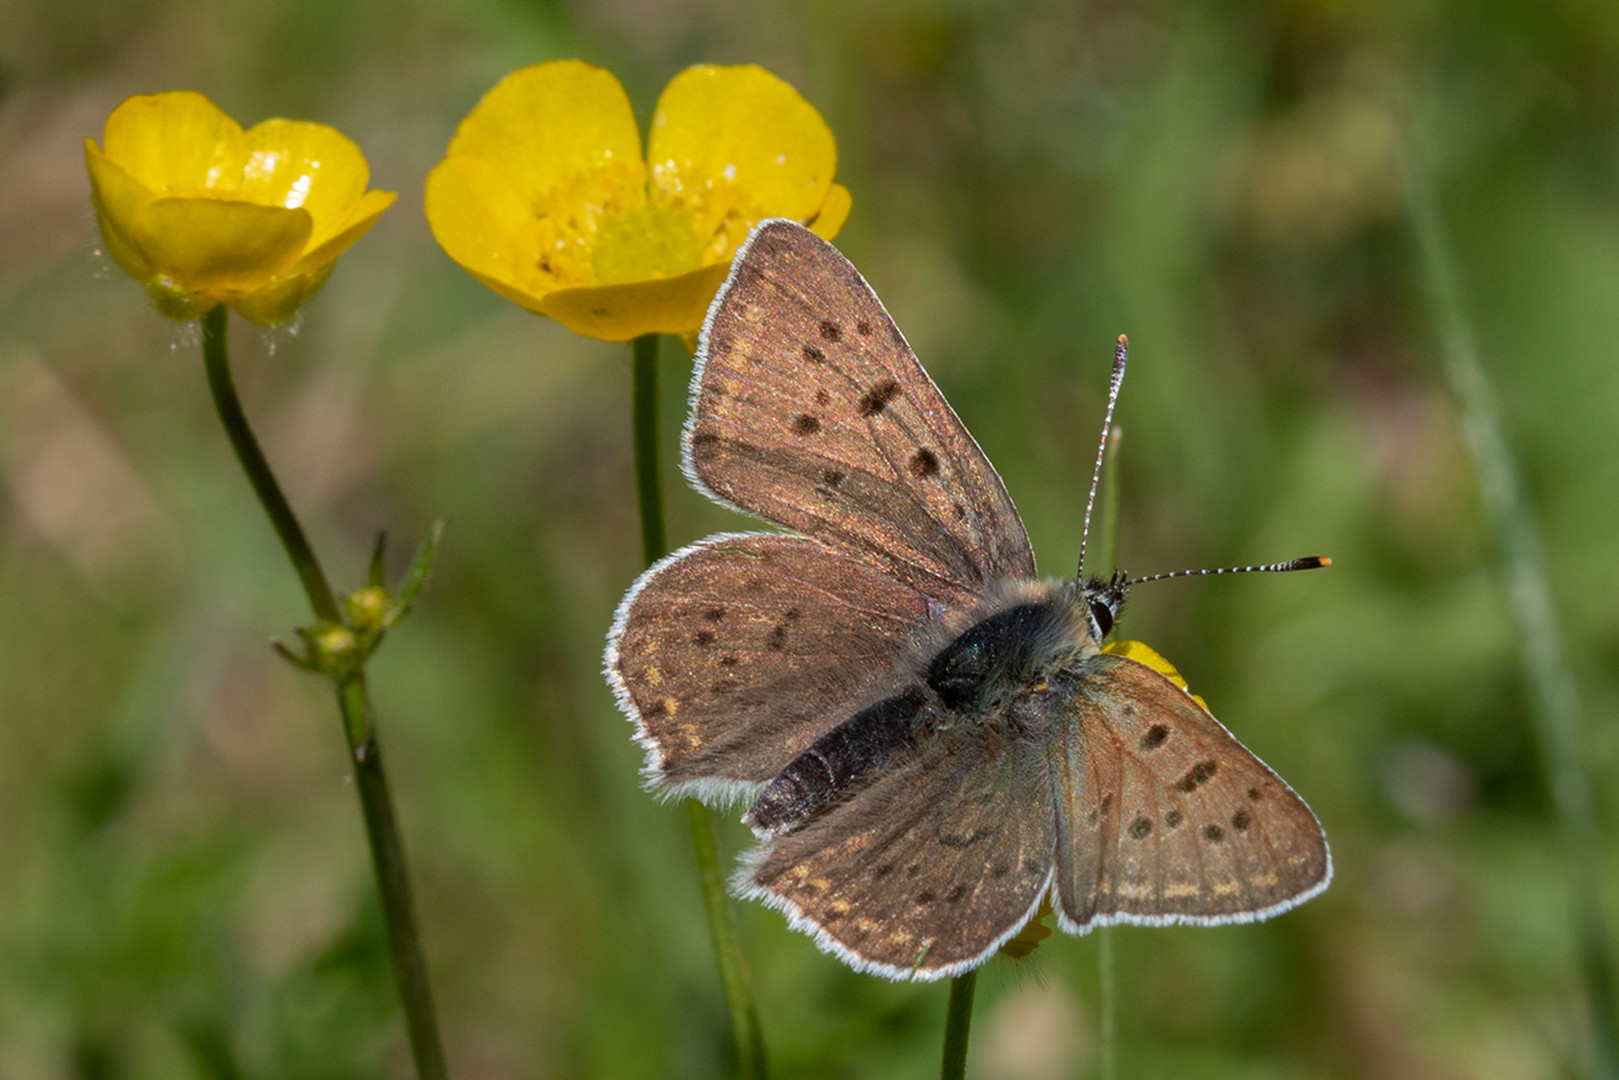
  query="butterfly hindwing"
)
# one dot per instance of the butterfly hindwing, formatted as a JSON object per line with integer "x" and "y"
{"x": 1163, "y": 816}
{"x": 736, "y": 653}
{"x": 927, "y": 868}
{"x": 809, "y": 409}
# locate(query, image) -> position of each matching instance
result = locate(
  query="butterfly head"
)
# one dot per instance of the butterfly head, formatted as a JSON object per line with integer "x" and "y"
{"x": 1100, "y": 600}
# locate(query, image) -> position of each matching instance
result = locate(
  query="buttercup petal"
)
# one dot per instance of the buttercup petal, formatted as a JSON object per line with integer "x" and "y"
{"x": 178, "y": 143}
{"x": 361, "y": 216}
{"x": 620, "y": 312}
{"x": 118, "y": 197}
{"x": 483, "y": 223}
{"x": 742, "y": 127}
{"x": 833, "y": 213}
{"x": 219, "y": 247}
{"x": 297, "y": 164}
{"x": 279, "y": 300}
{"x": 1032, "y": 934}
{"x": 549, "y": 125}
{"x": 1143, "y": 653}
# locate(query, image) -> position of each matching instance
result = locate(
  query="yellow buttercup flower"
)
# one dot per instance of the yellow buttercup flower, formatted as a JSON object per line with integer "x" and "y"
{"x": 1143, "y": 653}
{"x": 203, "y": 213}
{"x": 545, "y": 198}
{"x": 1033, "y": 933}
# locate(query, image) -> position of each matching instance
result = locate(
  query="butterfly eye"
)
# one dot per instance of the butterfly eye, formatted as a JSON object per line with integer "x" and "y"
{"x": 1102, "y": 613}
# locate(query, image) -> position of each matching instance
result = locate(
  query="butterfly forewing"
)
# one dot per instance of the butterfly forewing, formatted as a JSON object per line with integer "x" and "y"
{"x": 1163, "y": 816}
{"x": 738, "y": 652}
{"x": 810, "y": 409}
{"x": 931, "y": 866}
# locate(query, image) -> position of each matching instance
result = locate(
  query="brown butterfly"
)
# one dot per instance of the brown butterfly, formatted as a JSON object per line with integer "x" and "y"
{"x": 931, "y": 738}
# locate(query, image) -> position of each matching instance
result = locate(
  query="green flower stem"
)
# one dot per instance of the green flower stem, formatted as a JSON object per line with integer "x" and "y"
{"x": 958, "y": 1019}
{"x": 1107, "y": 1020}
{"x": 648, "y": 485}
{"x": 393, "y": 882}
{"x": 1554, "y": 698}
{"x": 387, "y": 854}
{"x": 216, "y": 359}
{"x": 734, "y": 976}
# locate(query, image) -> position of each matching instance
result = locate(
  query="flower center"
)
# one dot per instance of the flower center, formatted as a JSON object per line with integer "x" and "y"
{"x": 644, "y": 242}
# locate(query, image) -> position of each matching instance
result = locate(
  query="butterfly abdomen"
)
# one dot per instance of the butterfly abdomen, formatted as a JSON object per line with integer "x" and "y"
{"x": 859, "y": 745}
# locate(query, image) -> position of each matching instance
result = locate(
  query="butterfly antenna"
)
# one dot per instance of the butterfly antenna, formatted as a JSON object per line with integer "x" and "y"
{"x": 1313, "y": 562}
{"x": 1121, "y": 356}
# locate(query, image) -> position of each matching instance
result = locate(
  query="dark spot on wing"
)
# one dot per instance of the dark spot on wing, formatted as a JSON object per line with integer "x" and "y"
{"x": 969, "y": 840}
{"x": 703, "y": 637}
{"x": 1255, "y": 794}
{"x": 831, "y": 915}
{"x": 955, "y": 895}
{"x": 1107, "y": 802}
{"x": 778, "y": 638}
{"x": 660, "y": 707}
{"x": 863, "y": 327}
{"x": 725, "y": 686}
{"x": 960, "y": 511}
{"x": 884, "y": 870}
{"x": 1214, "y": 834}
{"x": 913, "y": 869}
{"x": 999, "y": 870}
{"x": 924, "y": 463}
{"x": 1173, "y": 818}
{"x": 714, "y": 614}
{"x": 876, "y": 399}
{"x": 728, "y": 661}
{"x": 792, "y": 614}
{"x": 1154, "y": 737}
{"x": 830, "y": 330}
{"x": 720, "y": 345}
{"x": 926, "y": 896}
{"x": 1197, "y": 774}
{"x": 832, "y": 478}
{"x": 1239, "y": 821}
{"x": 1140, "y": 829}
{"x": 822, "y": 398}
{"x": 814, "y": 355}
{"x": 806, "y": 425}
{"x": 1033, "y": 866}
{"x": 703, "y": 439}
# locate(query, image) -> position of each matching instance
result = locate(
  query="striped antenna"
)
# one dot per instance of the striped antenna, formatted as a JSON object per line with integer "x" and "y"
{"x": 1312, "y": 562}
{"x": 1121, "y": 356}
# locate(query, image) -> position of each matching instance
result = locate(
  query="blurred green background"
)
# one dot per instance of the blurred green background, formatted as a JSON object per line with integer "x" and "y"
{"x": 184, "y": 888}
